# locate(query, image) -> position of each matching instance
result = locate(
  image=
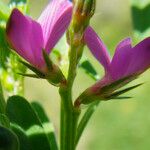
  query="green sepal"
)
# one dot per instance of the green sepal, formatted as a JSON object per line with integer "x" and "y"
{"x": 118, "y": 84}
{"x": 35, "y": 70}
{"x": 89, "y": 7}
{"x": 118, "y": 93}
{"x": 54, "y": 75}
{"x": 47, "y": 61}
{"x": 103, "y": 93}
{"x": 29, "y": 75}
{"x": 8, "y": 139}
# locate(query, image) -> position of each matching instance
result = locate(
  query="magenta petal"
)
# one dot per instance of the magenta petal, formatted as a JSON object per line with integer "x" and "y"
{"x": 140, "y": 60}
{"x": 97, "y": 47}
{"x": 121, "y": 59}
{"x": 25, "y": 36}
{"x": 54, "y": 21}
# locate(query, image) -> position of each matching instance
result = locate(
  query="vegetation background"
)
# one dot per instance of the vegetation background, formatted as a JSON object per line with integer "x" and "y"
{"x": 117, "y": 124}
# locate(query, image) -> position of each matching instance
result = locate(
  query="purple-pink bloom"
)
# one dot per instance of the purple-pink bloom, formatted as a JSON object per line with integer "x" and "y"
{"x": 29, "y": 37}
{"x": 126, "y": 61}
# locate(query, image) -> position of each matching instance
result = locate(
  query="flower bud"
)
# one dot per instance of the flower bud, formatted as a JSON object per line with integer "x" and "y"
{"x": 83, "y": 11}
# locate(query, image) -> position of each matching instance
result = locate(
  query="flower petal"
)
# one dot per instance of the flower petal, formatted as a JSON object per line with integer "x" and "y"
{"x": 54, "y": 21}
{"x": 140, "y": 57}
{"x": 121, "y": 59}
{"x": 25, "y": 36}
{"x": 97, "y": 47}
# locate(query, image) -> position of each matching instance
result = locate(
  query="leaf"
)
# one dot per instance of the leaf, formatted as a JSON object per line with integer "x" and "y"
{"x": 18, "y": 1}
{"x": 22, "y": 114}
{"x": 8, "y": 140}
{"x": 23, "y": 139}
{"x": 47, "y": 125}
{"x": 4, "y": 121}
{"x": 89, "y": 69}
{"x": 140, "y": 3}
{"x": 141, "y": 19}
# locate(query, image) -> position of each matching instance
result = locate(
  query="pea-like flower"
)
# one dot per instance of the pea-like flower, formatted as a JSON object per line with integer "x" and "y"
{"x": 29, "y": 37}
{"x": 127, "y": 63}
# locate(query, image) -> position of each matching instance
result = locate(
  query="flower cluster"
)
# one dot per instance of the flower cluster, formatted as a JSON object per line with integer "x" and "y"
{"x": 28, "y": 38}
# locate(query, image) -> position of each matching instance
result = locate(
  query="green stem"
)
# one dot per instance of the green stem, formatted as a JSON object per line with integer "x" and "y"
{"x": 2, "y": 101}
{"x": 84, "y": 121}
{"x": 68, "y": 122}
{"x": 62, "y": 129}
{"x": 69, "y": 115}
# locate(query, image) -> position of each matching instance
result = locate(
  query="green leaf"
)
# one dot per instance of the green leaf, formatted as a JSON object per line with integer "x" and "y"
{"x": 8, "y": 140}
{"x": 23, "y": 139}
{"x": 141, "y": 19}
{"x": 89, "y": 69}
{"x": 140, "y": 3}
{"x": 22, "y": 114}
{"x": 4, "y": 121}
{"x": 47, "y": 125}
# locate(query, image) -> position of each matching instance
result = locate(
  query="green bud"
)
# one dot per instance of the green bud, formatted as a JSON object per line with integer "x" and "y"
{"x": 83, "y": 11}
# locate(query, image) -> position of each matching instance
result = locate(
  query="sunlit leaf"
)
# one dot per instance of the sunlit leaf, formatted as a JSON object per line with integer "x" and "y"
{"x": 23, "y": 115}
{"x": 47, "y": 124}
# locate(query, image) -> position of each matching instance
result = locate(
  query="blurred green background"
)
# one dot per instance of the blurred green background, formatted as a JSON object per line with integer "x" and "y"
{"x": 116, "y": 125}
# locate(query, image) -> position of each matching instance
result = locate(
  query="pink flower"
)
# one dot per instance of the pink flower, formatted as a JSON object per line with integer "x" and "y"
{"x": 127, "y": 63}
{"x": 29, "y": 37}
